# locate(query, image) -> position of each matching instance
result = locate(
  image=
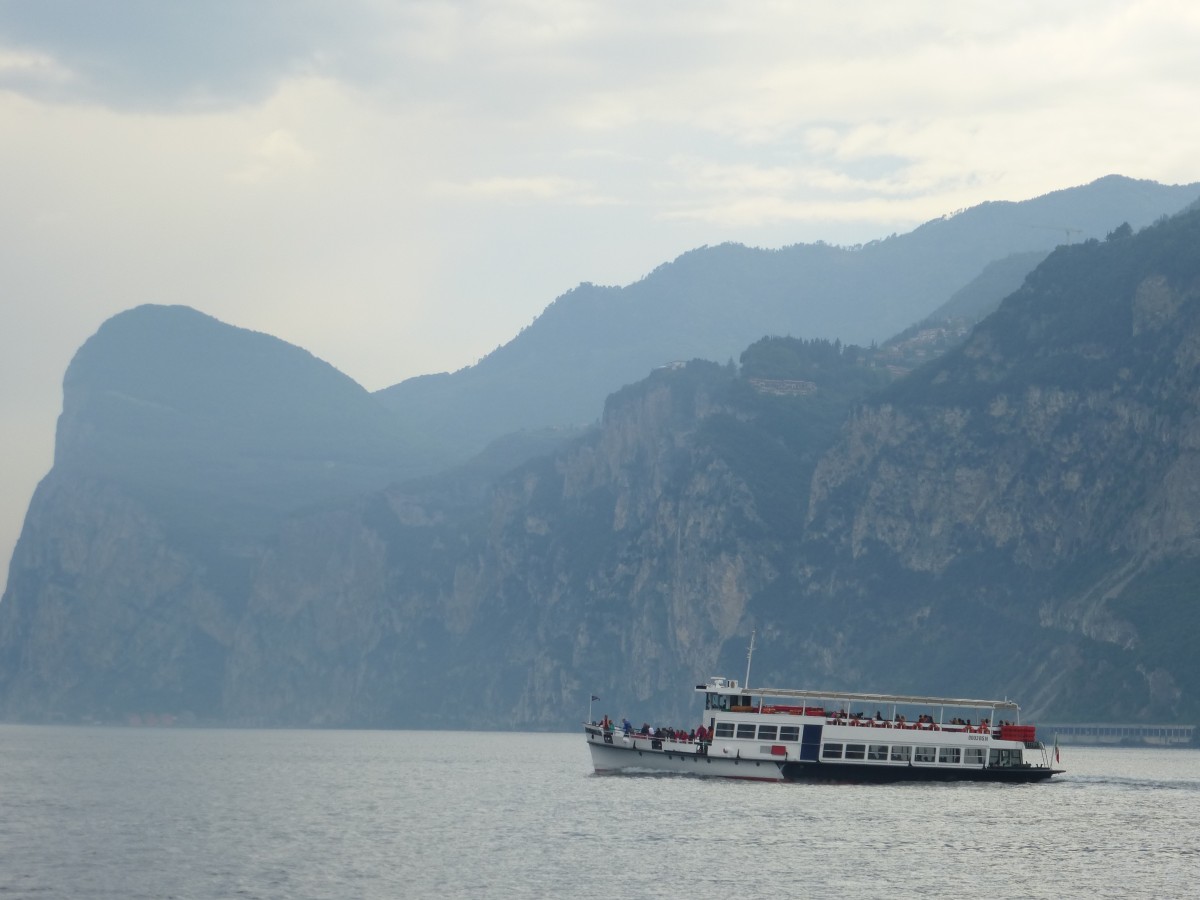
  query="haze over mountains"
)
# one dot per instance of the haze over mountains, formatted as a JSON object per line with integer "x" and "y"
{"x": 711, "y": 303}
{"x": 233, "y": 531}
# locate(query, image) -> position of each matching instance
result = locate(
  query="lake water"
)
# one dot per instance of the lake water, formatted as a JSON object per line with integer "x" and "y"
{"x": 161, "y": 813}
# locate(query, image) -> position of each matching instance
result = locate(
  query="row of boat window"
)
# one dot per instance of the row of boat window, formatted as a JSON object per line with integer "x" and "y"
{"x": 765, "y": 732}
{"x": 903, "y": 753}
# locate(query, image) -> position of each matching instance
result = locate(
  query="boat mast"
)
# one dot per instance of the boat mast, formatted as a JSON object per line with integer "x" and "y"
{"x": 749, "y": 656}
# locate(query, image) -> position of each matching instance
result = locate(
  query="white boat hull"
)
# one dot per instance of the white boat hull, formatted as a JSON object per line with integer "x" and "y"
{"x": 634, "y": 755}
{"x": 615, "y": 753}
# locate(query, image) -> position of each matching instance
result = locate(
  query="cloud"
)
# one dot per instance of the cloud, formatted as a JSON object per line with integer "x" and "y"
{"x": 145, "y": 54}
{"x": 522, "y": 189}
{"x": 30, "y": 71}
{"x": 278, "y": 155}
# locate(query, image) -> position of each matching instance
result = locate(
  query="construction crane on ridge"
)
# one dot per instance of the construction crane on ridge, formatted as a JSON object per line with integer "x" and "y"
{"x": 1066, "y": 229}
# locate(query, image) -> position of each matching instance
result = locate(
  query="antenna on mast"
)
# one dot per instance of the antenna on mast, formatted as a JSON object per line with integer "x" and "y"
{"x": 749, "y": 656}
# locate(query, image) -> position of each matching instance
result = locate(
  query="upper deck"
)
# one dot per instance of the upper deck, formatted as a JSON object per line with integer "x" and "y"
{"x": 727, "y": 695}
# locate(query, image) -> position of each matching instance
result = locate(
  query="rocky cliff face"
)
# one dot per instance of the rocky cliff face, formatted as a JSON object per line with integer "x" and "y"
{"x": 1044, "y": 474}
{"x": 182, "y": 447}
{"x": 1018, "y": 516}
{"x": 104, "y": 618}
{"x": 606, "y": 569}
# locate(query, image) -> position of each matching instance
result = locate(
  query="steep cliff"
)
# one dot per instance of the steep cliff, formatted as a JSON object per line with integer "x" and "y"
{"x": 636, "y": 544}
{"x": 1018, "y": 516}
{"x": 1040, "y": 483}
{"x": 183, "y": 446}
{"x": 107, "y": 616}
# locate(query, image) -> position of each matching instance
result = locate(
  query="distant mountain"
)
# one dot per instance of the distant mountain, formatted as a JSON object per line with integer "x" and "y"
{"x": 1011, "y": 519}
{"x": 982, "y": 295}
{"x": 183, "y": 444}
{"x": 713, "y": 302}
{"x": 225, "y": 537}
{"x": 201, "y": 419}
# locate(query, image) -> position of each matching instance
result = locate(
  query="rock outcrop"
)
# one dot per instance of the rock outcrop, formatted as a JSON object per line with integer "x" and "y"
{"x": 1016, "y": 517}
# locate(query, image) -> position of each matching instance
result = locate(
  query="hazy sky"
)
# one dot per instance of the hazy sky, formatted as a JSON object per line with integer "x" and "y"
{"x": 400, "y": 187}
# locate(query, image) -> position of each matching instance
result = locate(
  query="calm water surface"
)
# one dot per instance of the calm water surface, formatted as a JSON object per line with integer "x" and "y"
{"x": 137, "y": 813}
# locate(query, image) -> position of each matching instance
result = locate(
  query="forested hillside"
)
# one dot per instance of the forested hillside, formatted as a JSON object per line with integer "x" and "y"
{"x": 712, "y": 302}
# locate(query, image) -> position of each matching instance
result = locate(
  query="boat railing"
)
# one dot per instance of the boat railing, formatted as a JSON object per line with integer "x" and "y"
{"x": 910, "y": 726}
{"x": 841, "y": 718}
{"x": 1003, "y": 731}
{"x": 617, "y": 732}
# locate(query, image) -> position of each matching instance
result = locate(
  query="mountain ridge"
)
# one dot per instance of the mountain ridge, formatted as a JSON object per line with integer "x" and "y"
{"x": 1014, "y": 516}
{"x": 712, "y": 302}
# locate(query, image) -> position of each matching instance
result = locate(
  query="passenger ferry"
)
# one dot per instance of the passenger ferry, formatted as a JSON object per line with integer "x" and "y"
{"x": 772, "y": 734}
